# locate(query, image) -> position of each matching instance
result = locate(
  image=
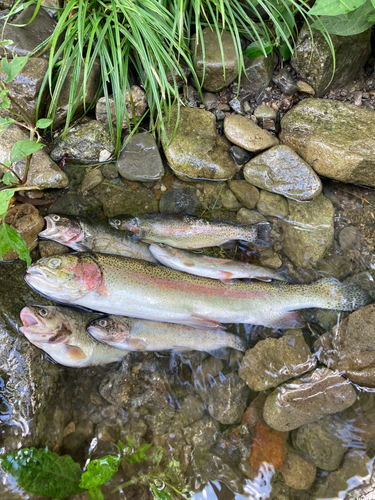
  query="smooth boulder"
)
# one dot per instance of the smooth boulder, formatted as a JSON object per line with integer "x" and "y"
{"x": 246, "y": 134}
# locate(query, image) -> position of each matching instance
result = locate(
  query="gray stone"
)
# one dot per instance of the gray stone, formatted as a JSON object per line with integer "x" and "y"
{"x": 308, "y": 398}
{"x": 306, "y": 247}
{"x": 272, "y": 204}
{"x": 324, "y": 441}
{"x": 314, "y": 62}
{"x": 245, "y": 192}
{"x": 297, "y": 472}
{"x": 263, "y": 112}
{"x": 84, "y": 143}
{"x": 211, "y": 65}
{"x": 117, "y": 199}
{"x": 245, "y": 216}
{"x": 244, "y": 133}
{"x": 25, "y": 88}
{"x": 229, "y": 200}
{"x": 179, "y": 200}
{"x": 91, "y": 180}
{"x": 335, "y": 138}
{"x": 211, "y": 101}
{"x": 202, "y": 433}
{"x": 349, "y": 347}
{"x": 285, "y": 82}
{"x": 197, "y": 151}
{"x": 226, "y": 398}
{"x": 109, "y": 171}
{"x": 140, "y": 159}
{"x": 78, "y": 205}
{"x": 258, "y": 73}
{"x": 25, "y": 39}
{"x": 139, "y": 99}
{"x": 43, "y": 172}
{"x": 282, "y": 171}
{"x": 273, "y": 361}
{"x": 239, "y": 155}
{"x": 188, "y": 411}
{"x": 236, "y": 106}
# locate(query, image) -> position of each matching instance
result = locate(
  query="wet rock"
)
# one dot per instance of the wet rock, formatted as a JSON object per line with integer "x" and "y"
{"x": 305, "y": 88}
{"x": 91, "y": 180}
{"x": 188, "y": 411}
{"x": 117, "y": 199}
{"x": 236, "y": 106}
{"x": 258, "y": 73}
{"x": 324, "y": 441}
{"x": 239, "y": 155}
{"x": 273, "y": 361}
{"x": 140, "y": 159}
{"x": 335, "y": 138}
{"x": 272, "y": 204}
{"x": 273, "y": 261}
{"x": 349, "y": 347}
{"x": 47, "y": 248}
{"x": 82, "y": 432}
{"x": 92, "y": 84}
{"x": 26, "y": 220}
{"x": 26, "y": 38}
{"x": 297, "y": 472}
{"x": 159, "y": 421}
{"x": 139, "y": 99}
{"x": 84, "y": 143}
{"x": 210, "y": 100}
{"x": 76, "y": 204}
{"x": 264, "y": 112}
{"x": 211, "y": 65}
{"x": 285, "y": 82}
{"x": 312, "y": 58}
{"x": 179, "y": 200}
{"x": 229, "y": 200}
{"x": 197, "y": 151}
{"x": 244, "y": 133}
{"x": 109, "y": 171}
{"x": 307, "y": 399}
{"x": 306, "y": 247}
{"x": 245, "y": 216}
{"x": 245, "y": 192}
{"x": 25, "y": 88}
{"x": 43, "y": 171}
{"x": 203, "y": 432}
{"x": 349, "y": 238}
{"x": 280, "y": 170}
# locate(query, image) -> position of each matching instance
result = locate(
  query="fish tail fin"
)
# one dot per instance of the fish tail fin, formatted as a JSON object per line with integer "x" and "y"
{"x": 336, "y": 295}
{"x": 263, "y": 238}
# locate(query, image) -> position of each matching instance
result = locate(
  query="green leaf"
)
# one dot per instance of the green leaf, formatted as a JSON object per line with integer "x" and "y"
{"x": 284, "y": 51}
{"x": 353, "y": 23}
{"x": 8, "y": 179}
{"x": 44, "y": 473}
{"x": 4, "y": 43}
{"x": 254, "y": 50}
{"x": 95, "y": 494}
{"x": 138, "y": 455}
{"x": 43, "y": 123}
{"x": 12, "y": 67}
{"x": 173, "y": 471}
{"x": 158, "y": 455}
{"x": 334, "y": 7}
{"x": 162, "y": 494}
{"x": 5, "y": 197}
{"x": 371, "y": 18}
{"x": 99, "y": 471}
{"x": 23, "y": 148}
{"x": 4, "y": 123}
{"x": 9, "y": 238}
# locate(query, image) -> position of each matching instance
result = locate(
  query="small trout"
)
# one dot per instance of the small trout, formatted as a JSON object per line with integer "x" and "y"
{"x": 140, "y": 335}
{"x": 210, "y": 267}
{"x": 61, "y": 333}
{"x": 191, "y": 232}
{"x": 81, "y": 234}
{"x": 130, "y": 287}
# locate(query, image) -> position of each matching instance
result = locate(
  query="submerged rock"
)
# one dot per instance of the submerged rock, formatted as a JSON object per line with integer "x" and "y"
{"x": 76, "y": 204}
{"x": 210, "y": 66}
{"x": 245, "y": 192}
{"x": 273, "y": 361}
{"x": 335, "y": 138}
{"x": 197, "y": 151}
{"x": 91, "y": 180}
{"x": 350, "y": 347}
{"x": 307, "y": 399}
{"x": 308, "y": 230}
{"x": 179, "y": 200}
{"x": 246, "y": 134}
{"x": 203, "y": 432}
{"x": 245, "y": 216}
{"x": 297, "y": 472}
{"x": 280, "y": 170}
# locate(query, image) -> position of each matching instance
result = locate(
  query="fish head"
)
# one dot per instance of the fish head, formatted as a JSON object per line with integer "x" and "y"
{"x": 64, "y": 230}
{"x": 126, "y": 222}
{"x": 65, "y": 278}
{"x": 109, "y": 330}
{"x": 45, "y": 324}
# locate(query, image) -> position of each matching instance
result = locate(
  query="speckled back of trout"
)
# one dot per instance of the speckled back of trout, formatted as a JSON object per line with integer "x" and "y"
{"x": 129, "y": 287}
{"x": 191, "y": 232}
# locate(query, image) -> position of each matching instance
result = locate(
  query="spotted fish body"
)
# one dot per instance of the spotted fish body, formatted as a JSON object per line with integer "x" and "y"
{"x": 61, "y": 333}
{"x": 210, "y": 267}
{"x": 190, "y": 232}
{"x": 81, "y": 234}
{"x": 141, "y": 335}
{"x": 130, "y": 287}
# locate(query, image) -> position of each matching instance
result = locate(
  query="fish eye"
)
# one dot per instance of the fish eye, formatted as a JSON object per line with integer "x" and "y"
{"x": 43, "y": 312}
{"x": 103, "y": 322}
{"x": 56, "y": 218}
{"x": 55, "y": 263}
{"x": 117, "y": 222}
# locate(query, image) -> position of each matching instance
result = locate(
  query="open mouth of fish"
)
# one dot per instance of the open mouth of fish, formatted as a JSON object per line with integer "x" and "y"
{"x": 50, "y": 230}
{"x": 35, "y": 329}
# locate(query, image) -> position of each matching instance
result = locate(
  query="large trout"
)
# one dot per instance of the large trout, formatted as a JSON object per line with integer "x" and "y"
{"x": 130, "y": 287}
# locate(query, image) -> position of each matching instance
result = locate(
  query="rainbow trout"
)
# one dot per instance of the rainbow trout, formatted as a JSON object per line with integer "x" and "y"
{"x": 130, "y": 287}
{"x": 140, "y": 335}
{"x": 211, "y": 267}
{"x": 190, "y": 232}
{"x": 81, "y": 234}
{"x": 61, "y": 333}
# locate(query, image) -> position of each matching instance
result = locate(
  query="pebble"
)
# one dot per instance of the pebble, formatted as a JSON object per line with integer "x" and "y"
{"x": 236, "y": 106}
{"x": 244, "y": 133}
{"x": 91, "y": 180}
{"x": 297, "y": 472}
{"x": 245, "y": 192}
{"x": 239, "y": 155}
{"x": 272, "y": 204}
{"x": 109, "y": 171}
{"x": 285, "y": 82}
{"x": 263, "y": 112}
{"x": 305, "y": 88}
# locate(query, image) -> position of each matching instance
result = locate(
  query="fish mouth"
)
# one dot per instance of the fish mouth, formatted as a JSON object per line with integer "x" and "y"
{"x": 34, "y": 328}
{"x": 50, "y": 230}
{"x": 96, "y": 333}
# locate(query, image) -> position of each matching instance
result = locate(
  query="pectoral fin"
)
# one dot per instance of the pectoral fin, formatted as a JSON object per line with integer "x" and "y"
{"x": 198, "y": 321}
{"x": 74, "y": 352}
{"x": 135, "y": 344}
{"x": 288, "y": 320}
